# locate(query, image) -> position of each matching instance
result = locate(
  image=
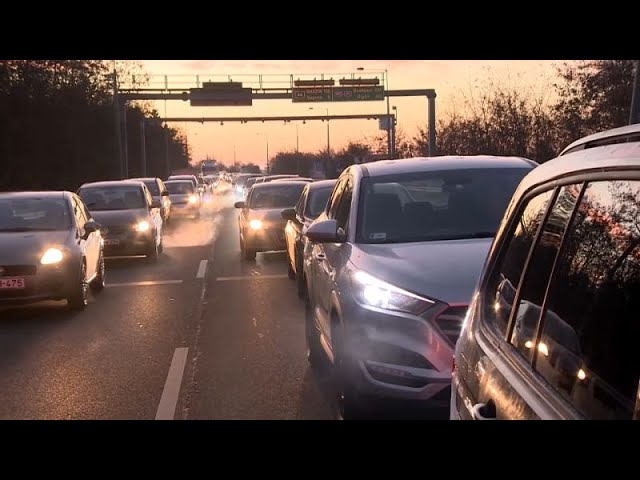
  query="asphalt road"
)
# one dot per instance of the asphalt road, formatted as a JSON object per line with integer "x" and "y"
{"x": 202, "y": 334}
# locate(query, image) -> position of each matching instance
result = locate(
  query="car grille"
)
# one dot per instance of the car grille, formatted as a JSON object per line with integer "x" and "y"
{"x": 391, "y": 354}
{"x": 17, "y": 270}
{"x": 116, "y": 229}
{"x": 450, "y": 322}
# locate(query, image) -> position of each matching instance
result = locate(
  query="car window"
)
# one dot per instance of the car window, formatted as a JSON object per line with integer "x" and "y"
{"x": 153, "y": 187}
{"x": 113, "y": 198}
{"x": 78, "y": 211}
{"x": 591, "y": 325}
{"x": 34, "y": 214}
{"x": 275, "y": 196}
{"x": 434, "y": 206}
{"x": 332, "y": 205}
{"x": 317, "y": 202}
{"x": 538, "y": 271}
{"x": 344, "y": 205}
{"x": 148, "y": 196}
{"x": 501, "y": 289}
{"x": 180, "y": 187}
{"x": 301, "y": 203}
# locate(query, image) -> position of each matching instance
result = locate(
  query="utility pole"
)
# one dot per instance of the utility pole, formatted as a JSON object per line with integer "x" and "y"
{"x": 634, "y": 116}
{"x": 267, "y": 155}
{"x": 165, "y": 131}
{"x": 117, "y": 123}
{"x": 126, "y": 140}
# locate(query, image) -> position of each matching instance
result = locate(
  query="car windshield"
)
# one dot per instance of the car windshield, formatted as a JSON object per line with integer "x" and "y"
{"x": 34, "y": 214}
{"x": 113, "y": 198}
{"x": 317, "y": 201}
{"x": 152, "y": 185}
{"x": 275, "y": 196}
{"x": 179, "y": 188}
{"x": 443, "y": 205}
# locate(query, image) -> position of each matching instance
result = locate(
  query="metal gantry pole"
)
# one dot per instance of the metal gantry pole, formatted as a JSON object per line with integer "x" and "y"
{"x": 634, "y": 115}
{"x": 126, "y": 140}
{"x": 143, "y": 150}
{"x": 165, "y": 131}
{"x": 432, "y": 125}
{"x": 117, "y": 125}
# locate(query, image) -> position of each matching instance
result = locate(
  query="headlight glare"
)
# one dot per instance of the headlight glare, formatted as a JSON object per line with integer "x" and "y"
{"x": 255, "y": 224}
{"x": 142, "y": 226}
{"x": 51, "y": 256}
{"x": 374, "y": 292}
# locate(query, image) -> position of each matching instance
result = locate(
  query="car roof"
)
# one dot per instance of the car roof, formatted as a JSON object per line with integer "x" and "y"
{"x": 608, "y": 157}
{"x": 113, "y": 183}
{"x": 35, "y": 194}
{"x": 322, "y": 184}
{"x": 144, "y": 179}
{"x": 279, "y": 184}
{"x": 628, "y": 130}
{"x": 427, "y": 164}
{"x": 179, "y": 180}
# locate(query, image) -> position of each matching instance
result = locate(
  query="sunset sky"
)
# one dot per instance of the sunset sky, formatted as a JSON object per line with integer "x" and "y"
{"x": 249, "y": 140}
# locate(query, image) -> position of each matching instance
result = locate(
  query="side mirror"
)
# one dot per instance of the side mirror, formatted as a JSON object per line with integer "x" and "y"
{"x": 239, "y": 205}
{"x": 156, "y": 203}
{"x": 89, "y": 228}
{"x": 325, "y": 231}
{"x": 289, "y": 214}
{"x": 164, "y": 194}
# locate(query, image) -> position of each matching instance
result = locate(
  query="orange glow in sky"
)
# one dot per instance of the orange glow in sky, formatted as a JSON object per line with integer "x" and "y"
{"x": 248, "y": 142}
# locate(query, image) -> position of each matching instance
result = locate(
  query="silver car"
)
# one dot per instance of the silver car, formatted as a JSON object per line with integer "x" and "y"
{"x": 390, "y": 267}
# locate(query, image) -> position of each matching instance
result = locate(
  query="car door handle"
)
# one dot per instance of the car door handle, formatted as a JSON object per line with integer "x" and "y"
{"x": 484, "y": 411}
{"x": 321, "y": 257}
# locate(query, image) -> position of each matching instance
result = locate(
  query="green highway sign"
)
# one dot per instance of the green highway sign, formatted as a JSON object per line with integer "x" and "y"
{"x": 311, "y": 94}
{"x": 358, "y": 94}
{"x": 362, "y": 93}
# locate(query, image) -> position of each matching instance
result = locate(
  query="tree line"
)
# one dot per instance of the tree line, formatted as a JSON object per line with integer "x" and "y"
{"x": 57, "y": 127}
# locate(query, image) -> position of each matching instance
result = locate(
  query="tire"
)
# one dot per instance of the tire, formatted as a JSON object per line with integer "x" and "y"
{"x": 152, "y": 252}
{"x": 77, "y": 299}
{"x": 349, "y": 402}
{"x": 290, "y": 272}
{"x": 98, "y": 283}
{"x": 315, "y": 354}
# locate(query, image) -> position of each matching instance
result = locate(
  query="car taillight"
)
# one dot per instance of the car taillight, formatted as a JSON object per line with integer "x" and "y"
{"x": 453, "y": 364}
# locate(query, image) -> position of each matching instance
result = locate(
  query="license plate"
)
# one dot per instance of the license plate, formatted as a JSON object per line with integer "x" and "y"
{"x": 112, "y": 241}
{"x": 11, "y": 283}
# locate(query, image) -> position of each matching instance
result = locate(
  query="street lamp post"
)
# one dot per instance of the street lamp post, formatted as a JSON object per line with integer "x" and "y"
{"x": 395, "y": 123}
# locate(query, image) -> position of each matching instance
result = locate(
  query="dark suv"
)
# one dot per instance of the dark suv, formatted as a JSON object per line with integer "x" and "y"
{"x": 552, "y": 329}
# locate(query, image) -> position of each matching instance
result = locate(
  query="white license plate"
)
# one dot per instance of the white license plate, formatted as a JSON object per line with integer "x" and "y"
{"x": 11, "y": 283}
{"x": 112, "y": 241}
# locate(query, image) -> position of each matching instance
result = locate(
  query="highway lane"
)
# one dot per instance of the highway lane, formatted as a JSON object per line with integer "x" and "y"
{"x": 250, "y": 359}
{"x": 110, "y": 361}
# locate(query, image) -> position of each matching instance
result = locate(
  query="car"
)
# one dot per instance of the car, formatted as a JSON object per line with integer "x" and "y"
{"x": 390, "y": 267}
{"x": 130, "y": 218}
{"x": 240, "y": 183}
{"x": 271, "y": 178}
{"x": 185, "y": 200}
{"x": 551, "y": 331}
{"x": 159, "y": 193}
{"x": 298, "y": 179}
{"x": 50, "y": 249}
{"x": 312, "y": 203}
{"x": 250, "y": 182}
{"x": 192, "y": 178}
{"x": 260, "y": 221}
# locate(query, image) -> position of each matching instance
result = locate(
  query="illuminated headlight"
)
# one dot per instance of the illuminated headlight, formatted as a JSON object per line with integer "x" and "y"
{"x": 193, "y": 199}
{"x": 51, "y": 256}
{"x": 142, "y": 226}
{"x": 239, "y": 189}
{"x": 371, "y": 291}
{"x": 255, "y": 224}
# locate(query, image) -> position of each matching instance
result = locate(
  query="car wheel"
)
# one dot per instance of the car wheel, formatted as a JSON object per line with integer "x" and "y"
{"x": 98, "y": 283}
{"x": 152, "y": 253}
{"x": 77, "y": 299}
{"x": 301, "y": 282}
{"x": 348, "y": 401}
{"x": 315, "y": 354}
{"x": 290, "y": 272}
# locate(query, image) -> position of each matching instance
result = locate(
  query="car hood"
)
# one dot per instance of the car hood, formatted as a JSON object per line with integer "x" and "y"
{"x": 268, "y": 215}
{"x": 444, "y": 270}
{"x": 110, "y": 218}
{"x": 26, "y": 248}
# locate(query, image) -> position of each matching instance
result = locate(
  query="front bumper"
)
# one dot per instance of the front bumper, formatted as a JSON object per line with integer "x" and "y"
{"x": 184, "y": 209}
{"x": 266, "y": 239}
{"x": 50, "y": 282}
{"x": 127, "y": 243}
{"x": 398, "y": 355}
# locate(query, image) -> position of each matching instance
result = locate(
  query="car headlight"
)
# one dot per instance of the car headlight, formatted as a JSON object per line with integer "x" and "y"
{"x": 51, "y": 256}
{"x": 372, "y": 291}
{"x": 142, "y": 226}
{"x": 255, "y": 224}
{"x": 193, "y": 199}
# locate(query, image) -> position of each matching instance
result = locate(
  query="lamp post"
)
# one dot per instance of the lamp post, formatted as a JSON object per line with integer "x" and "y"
{"x": 395, "y": 123}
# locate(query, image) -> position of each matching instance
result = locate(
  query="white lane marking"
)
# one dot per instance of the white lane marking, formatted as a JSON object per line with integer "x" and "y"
{"x": 145, "y": 284}
{"x": 202, "y": 269}
{"x": 169, "y": 399}
{"x": 250, "y": 277}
